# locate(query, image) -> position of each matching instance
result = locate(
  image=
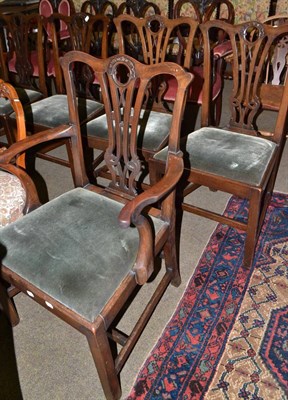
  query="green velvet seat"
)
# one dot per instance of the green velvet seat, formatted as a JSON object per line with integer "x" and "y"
{"x": 153, "y": 129}
{"x": 53, "y": 111}
{"x": 220, "y": 152}
{"x": 26, "y": 96}
{"x": 78, "y": 231}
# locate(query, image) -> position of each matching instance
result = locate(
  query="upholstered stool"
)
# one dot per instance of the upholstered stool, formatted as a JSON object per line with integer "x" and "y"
{"x": 12, "y": 198}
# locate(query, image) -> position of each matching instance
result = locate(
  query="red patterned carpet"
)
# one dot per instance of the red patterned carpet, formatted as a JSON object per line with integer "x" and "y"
{"x": 228, "y": 338}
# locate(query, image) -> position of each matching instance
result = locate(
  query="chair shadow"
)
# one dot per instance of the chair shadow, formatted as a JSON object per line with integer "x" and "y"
{"x": 10, "y": 388}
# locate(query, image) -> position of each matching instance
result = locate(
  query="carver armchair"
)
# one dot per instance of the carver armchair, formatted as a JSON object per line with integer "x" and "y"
{"x": 242, "y": 158}
{"x": 17, "y": 192}
{"x": 85, "y": 254}
{"x": 14, "y": 202}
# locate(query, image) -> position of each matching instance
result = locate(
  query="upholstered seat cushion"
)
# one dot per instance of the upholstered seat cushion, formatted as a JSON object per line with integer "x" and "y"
{"x": 154, "y": 128}
{"x": 12, "y": 198}
{"x": 53, "y": 111}
{"x": 73, "y": 249}
{"x": 232, "y": 155}
{"x": 195, "y": 91}
{"x": 26, "y": 96}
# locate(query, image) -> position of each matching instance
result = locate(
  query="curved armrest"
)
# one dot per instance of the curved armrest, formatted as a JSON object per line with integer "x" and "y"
{"x": 131, "y": 211}
{"x": 61, "y": 132}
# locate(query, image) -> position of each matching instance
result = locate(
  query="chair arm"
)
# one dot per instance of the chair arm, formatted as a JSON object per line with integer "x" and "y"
{"x": 131, "y": 211}
{"x": 61, "y": 132}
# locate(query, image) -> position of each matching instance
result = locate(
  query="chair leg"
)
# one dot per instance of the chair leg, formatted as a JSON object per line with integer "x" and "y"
{"x": 104, "y": 362}
{"x": 252, "y": 229}
{"x": 154, "y": 174}
{"x": 172, "y": 260}
{"x": 172, "y": 246}
{"x": 218, "y": 110}
{"x": 70, "y": 159}
{"x": 8, "y": 307}
{"x": 9, "y": 130}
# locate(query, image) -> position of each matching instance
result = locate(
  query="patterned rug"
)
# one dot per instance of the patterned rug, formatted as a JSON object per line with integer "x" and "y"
{"x": 228, "y": 338}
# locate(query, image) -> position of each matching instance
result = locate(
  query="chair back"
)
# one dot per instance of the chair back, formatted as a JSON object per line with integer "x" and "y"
{"x": 45, "y": 8}
{"x": 65, "y": 7}
{"x": 88, "y": 33}
{"x": 258, "y": 84}
{"x": 25, "y": 57}
{"x": 187, "y": 8}
{"x": 220, "y": 9}
{"x": 125, "y": 84}
{"x": 139, "y": 9}
{"x": 99, "y": 7}
{"x": 156, "y": 38}
{"x": 277, "y": 67}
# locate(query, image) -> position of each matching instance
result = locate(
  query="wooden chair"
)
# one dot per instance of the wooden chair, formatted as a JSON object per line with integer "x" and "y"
{"x": 88, "y": 33}
{"x": 52, "y": 110}
{"x": 219, "y": 10}
{"x": 187, "y": 8}
{"x": 45, "y": 8}
{"x": 28, "y": 80}
{"x": 279, "y": 62}
{"x": 14, "y": 202}
{"x": 65, "y": 7}
{"x": 155, "y": 121}
{"x": 95, "y": 7}
{"x": 156, "y": 38}
{"x": 91, "y": 249}
{"x": 216, "y": 10}
{"x": 140, "y": 9}
{"x": 276, "y": 20}
{"x": 16, "y": 198}
{"x": 241, "y": 159}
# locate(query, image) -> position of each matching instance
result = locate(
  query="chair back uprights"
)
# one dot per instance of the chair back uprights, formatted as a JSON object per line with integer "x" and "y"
{"x": 25, "y": 58}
